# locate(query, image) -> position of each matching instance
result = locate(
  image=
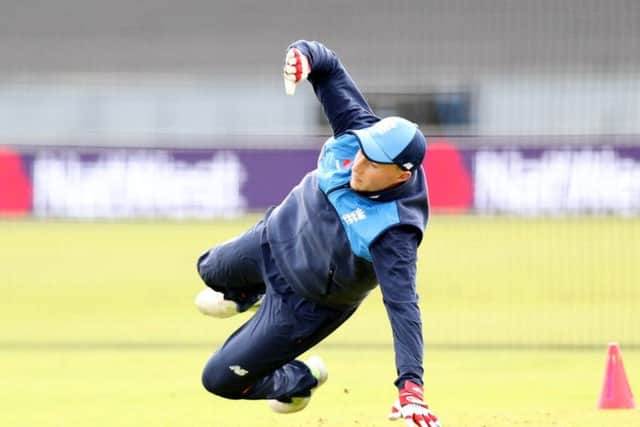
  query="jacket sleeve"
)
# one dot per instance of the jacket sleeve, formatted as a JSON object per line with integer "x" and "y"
{"x": 394, "y": 259}
{"x": 343, "y": 103}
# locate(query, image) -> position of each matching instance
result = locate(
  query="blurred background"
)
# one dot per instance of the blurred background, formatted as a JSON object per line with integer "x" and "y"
{"x": 185, "y": 73}
{"x": 136, "y": 134}
{"x": 175, "y": 111}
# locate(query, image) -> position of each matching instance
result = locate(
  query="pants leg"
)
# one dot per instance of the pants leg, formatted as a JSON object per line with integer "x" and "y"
{"x": 257, "y": 361}
{"x": 235, "y": 268}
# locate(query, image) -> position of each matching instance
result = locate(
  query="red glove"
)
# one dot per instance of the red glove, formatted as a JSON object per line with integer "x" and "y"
{"x": 296, "y": 69}
{"x": 410, "y": 406}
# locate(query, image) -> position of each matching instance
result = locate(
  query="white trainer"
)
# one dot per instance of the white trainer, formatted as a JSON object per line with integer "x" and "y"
{"x": 213, "y": 304}
{"x": 319, "y": 371}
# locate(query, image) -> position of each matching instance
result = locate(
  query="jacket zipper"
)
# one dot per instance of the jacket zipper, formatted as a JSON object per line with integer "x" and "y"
{"x": 332, "y": 273}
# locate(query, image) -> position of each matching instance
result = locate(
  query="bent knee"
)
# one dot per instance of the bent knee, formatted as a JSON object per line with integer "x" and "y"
{"x": 201, "y": 264}
{"x": 211, "y": 268}
{"x": 221, "y": 384}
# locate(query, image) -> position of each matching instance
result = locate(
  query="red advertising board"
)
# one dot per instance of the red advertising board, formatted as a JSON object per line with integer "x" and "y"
{"x": 15, "y": 185}
{"x": 448, "y": 177}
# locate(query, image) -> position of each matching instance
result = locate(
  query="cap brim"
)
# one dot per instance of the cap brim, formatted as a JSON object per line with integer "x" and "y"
{"x": 371, "y": 149}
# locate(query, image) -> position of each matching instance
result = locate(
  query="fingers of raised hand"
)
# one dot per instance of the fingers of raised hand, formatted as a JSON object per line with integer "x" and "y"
{"x": 296, "y": 66}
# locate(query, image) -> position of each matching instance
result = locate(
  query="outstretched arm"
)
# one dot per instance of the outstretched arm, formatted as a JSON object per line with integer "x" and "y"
{"x": 394, "y": 258}
{"x": 343, "y": 103}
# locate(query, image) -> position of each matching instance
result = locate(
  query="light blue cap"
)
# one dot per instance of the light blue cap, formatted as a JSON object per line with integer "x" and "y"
{"x": 393, "y": 140}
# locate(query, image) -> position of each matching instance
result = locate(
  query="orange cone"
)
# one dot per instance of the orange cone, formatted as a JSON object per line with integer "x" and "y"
{"x": 616, "y": 393}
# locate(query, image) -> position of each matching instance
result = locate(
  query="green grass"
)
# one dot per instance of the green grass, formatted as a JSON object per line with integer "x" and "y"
{"x": 98, "y": 327}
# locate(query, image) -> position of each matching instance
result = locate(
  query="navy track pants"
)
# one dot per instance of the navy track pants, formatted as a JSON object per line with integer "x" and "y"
{"x": 258, "y": 360}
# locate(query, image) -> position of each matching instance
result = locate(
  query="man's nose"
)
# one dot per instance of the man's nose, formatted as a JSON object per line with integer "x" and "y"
{"x": 357, "y": 164}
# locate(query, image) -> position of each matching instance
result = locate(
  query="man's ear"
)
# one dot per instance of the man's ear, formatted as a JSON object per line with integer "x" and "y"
{"x": 404, "y": 176}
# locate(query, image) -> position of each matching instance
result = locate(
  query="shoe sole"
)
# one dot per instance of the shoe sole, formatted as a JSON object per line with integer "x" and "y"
{"x": 320, "y": 373}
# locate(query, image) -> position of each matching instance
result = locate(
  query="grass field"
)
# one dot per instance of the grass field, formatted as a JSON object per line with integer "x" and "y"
{"x": 98, "y": 327}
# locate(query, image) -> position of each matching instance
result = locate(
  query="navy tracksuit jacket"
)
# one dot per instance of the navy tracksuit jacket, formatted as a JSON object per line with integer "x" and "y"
{"x": 321, "y": 250}
{"x": 332, "y": 244}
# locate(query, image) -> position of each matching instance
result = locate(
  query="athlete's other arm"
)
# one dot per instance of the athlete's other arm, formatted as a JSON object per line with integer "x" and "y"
{"x": 394, "y": 256}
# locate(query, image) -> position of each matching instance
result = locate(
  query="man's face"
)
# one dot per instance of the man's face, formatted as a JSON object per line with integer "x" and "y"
{"x": 370, "y": 176}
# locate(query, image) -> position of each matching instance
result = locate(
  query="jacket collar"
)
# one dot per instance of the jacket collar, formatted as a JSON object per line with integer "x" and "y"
{"x": 393, "y": 193}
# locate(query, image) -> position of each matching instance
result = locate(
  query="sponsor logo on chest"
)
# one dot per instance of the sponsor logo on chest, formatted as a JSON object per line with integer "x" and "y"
{"x": 354, "y": 216}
